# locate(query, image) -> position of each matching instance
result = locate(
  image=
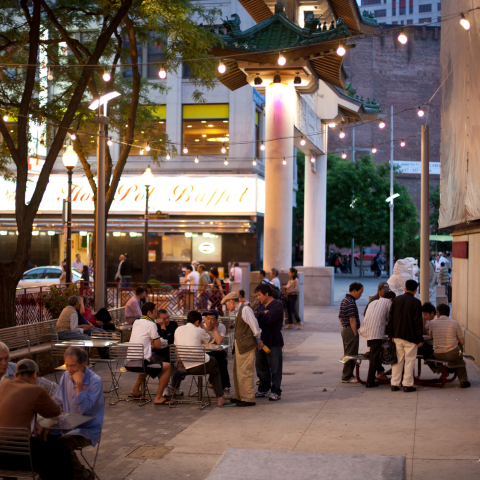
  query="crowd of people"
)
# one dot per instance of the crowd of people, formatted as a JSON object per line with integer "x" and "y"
{"x": 414, "y": 329}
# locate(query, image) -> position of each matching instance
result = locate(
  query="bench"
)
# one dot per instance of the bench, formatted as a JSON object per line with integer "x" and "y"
{"x": 439, "y": 383}
{"x": 29, "y": 339}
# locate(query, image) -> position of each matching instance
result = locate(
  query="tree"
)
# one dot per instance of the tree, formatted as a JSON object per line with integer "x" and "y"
{"x": 73, "y": 37}
{"x": 356, "y": 207}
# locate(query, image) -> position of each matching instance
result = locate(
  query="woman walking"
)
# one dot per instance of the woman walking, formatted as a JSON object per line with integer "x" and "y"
{"x": 292, "y": 290}
{"x": 216, "y": 292}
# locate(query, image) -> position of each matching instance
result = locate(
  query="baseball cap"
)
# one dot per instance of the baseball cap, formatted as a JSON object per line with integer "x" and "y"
{"x": 26, "y": 366}
{"x": 230, "y": 296}
{"x": 210, "y": 312}
{"x": 384, "y": 286}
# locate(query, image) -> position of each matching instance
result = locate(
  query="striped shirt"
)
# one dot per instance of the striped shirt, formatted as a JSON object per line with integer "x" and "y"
{"x": 446, "y": 332}
{"x": 373, "y": 326}
{"x": 348, "y": 309}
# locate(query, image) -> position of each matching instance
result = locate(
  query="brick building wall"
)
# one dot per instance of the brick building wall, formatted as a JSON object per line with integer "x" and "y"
{"x": 403, "y": 76}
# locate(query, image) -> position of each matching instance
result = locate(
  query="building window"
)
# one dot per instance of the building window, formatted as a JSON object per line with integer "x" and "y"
{"x": 128, "y": 71}
{"x": 155, "y": 54}
{"x": 425, "y": 20}
{"x": 371, "y": 2}
{"x": 409, "y": 22}
{"x": 402, "y": 10}
{"x": 439, "y": 19}
{"x": 257, "y": 134}
{"x": 394, "y": 12}
{"x": 439, "y": 6}
{"x": 155, "y": 131}
{"x": 205, "y": 129}
{"x": 186, "y": 73}
{"x": 176, "y": 248}
{"x": 410, "y": 9}
{"x": 395, "y": 23}
{"x": 424, "y": 8}
{"x": 380, "y": 13}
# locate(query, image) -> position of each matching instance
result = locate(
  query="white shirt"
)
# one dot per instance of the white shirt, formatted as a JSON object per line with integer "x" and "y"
{"x": 373, "y": 326}
{"x": 437, "y": 266}
{"x": 222, "y": 330}
{"x": 249, "y": 318}
{"x": 445, "y": 261}
{"x": 191, "y": 336}
{"x": 117, "y": 275}
{"x": 275, "y": 281}
{"x": 74, "y": 323}
{"x": 192, "y": 279}
{"x": 78, "y": 265}
{"x": 237, "y": 274}
{"x": 144, "y": 331}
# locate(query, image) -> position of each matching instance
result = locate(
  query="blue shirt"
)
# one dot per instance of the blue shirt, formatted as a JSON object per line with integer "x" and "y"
{"x": 348, "y": 309}
{"x": 88, "y": 402}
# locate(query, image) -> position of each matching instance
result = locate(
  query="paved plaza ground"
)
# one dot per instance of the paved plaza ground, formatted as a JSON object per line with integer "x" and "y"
{"x": 437, "y": 430}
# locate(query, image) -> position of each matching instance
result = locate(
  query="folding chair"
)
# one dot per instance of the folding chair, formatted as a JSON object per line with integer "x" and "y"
{"x": 119, "y": 355}
{"x": 58, "y": 353}
{"x": 191, "y": 355}
{"x": 106, "y": 335}
{"x": 91, "y": 467}
{"x": 16, "y": 441}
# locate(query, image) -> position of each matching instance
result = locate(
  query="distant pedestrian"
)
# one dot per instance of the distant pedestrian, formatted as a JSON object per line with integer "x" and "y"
{"x": 118, "y": 276}
{"x": 78, "y": 264}
{"x": 405, "y": 327}
{"x": 375, "y": 267}
{"x": 203, "y": 282}
{"x": 292, "y": 289}
{"x": 350, "y": 321}
{"x": 443, "y": 275}
{"x": 216, "y": 291}
{"x": 91, "y": 267}
{"x": 126, "y": 271}
{"x": 274, "y": 278}
{"x": 338, "y": 263}
{"x": 262, "y": 276}
{"x": 235, "y": 273}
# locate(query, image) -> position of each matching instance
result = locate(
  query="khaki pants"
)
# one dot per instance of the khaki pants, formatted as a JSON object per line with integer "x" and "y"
{"x": 454, "y": 357}
{"x": 243, "y": 370}
{"x": 406, "y": 355}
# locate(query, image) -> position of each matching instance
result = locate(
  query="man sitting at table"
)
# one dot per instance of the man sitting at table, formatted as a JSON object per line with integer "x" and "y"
{"x": 144, "y": 332}
{"x": 447, "y": 334}
{"x": 217, "y": 332}
{"x": 81, "y": 392}
{"x": 133, "y": 308}
{"x": 67, "y": 327}
{"x": 193, "y": 335}
{"x": 20, "y": 401}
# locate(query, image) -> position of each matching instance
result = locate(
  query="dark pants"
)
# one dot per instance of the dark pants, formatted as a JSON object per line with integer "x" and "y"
{"x": 426, "y": 351}
{"x": 292, "y": 309}
{"x": 375, "y": 361}
{"x": 212, "y": 369}
{"x": 51, "y": 461}
{"x": 72, "y": 443}
{"x": 269, "y": 369}
{"x": 350, "y": 347}
{"x": 221, "y": 358}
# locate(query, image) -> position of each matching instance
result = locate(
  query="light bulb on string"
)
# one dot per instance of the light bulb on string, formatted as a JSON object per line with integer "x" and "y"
{"x": 106, "y": 76}
{"x": 147, "y": 148}
{"x": 5, "y": 118}
{"x": 284, "y": 161}
{"x": 341, "y": 51}
{"x": 374, "y": 150}
{"x": 167, "y": 156}
{"x": 222, "y": 68}
{"x": 185, "y": 149}
{"x": 109, "y": 142}
{"x": 402, "y": 143}
{"x": 420, "y": 112}
{"x": 50, "y": 74}
{"x": 312, "y": 159}
{"x": 254, "y": 162}
{"x": 196, "y": 159}
{"x": 73, "y": 136}
{"x": 342, "y": 133}
{"x": 464, "y": 22}
{"x": 302, "y": 141}
{"x": 162, "y": 74}
{"x": 402, "y": 38}
{"x": 142, "y": 151}
{"x": 262, "y": 146}
{"x": 344, "y": 155}
{"x": 225, "y": 162}
{"x": 224, "y": 149}
{"x": 281, "y": 60}
{"x": 381, "y": 124}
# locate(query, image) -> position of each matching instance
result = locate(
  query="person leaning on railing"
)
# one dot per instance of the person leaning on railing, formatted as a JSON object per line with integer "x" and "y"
{"x": 133, "y": 308}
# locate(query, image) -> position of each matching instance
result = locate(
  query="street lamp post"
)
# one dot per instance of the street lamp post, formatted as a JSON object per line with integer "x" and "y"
{"x": 70, "y": 159}
{"x": 100, "y": 203}
{"x": 147, "y": 180}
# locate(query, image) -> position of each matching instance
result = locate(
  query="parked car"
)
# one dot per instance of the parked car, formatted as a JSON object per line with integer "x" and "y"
{"x": 368, "y": 255}
{"x": 45, "y": 276}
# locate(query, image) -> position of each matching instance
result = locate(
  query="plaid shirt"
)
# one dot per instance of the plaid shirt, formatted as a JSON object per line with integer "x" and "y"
{"x": 348, "y": 309}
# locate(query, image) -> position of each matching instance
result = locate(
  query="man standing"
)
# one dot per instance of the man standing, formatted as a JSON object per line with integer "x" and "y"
{"x": 203, "y": 281}
{"x": 81, "y": 392}
{"x": 405, "y": 327}
{"x": 269, "y": 365}
{"x": 191, "y": 278}
{"x": 20, "y": 401}
{"x": 373, "y": 331}
{"x": 78, "y": 264}
{"x": 447, "y": 334}
{"x": 350, "y": 320}
{"x": 67, "y": 327}
{"x": 118, "y": 276}
{"x": 133, "y": 308}
{"x": 383, "y": 287}
{"x": 262, "y": 277}
{"x": 274, "y": 278}
{"x": 247, "y": 339}
{"x": 126, "y": 271}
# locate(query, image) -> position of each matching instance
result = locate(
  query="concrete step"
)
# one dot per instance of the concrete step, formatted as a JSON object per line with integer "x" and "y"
{"x": 274, "y": 464}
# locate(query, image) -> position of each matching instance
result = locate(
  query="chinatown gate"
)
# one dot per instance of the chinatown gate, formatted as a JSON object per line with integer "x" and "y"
{"x": 299, "y": 70}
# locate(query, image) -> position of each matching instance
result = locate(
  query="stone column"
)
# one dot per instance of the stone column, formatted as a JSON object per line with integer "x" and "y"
{"x": 279, "y": 124}
{"x": 318, "y": 278}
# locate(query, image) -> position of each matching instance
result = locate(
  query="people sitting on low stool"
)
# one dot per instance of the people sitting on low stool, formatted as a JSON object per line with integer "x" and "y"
{"x": 144, "y": 332}
{"x": 447, "y": 334}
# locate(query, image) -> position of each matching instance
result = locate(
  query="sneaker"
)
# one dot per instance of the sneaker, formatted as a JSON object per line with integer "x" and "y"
{"x": 300, "y": 326}
{"x": 274, "y": 397}
{"x": 167, "y": 392}
{"x": 261, "y": 394}
{"x": 351, "y": 380}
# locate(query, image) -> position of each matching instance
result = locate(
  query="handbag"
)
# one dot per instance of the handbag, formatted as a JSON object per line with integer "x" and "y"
{"x": 388, "y": 352}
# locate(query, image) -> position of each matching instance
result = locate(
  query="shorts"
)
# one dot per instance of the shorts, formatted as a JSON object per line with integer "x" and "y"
{"x": 153, "y": 367}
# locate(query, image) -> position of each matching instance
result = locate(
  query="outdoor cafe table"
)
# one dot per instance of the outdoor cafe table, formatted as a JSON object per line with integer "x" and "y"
{"x": 95, "y": 343}
{"x": 65, "y": 422}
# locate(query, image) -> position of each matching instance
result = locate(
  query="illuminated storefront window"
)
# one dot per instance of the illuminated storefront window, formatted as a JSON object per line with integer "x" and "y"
{"x": 153, "y": 132}
{"x": 205, "y": 129}
{"x": 176, "y": 248}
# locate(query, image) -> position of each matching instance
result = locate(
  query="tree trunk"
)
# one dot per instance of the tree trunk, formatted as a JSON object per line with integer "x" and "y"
{"x": 361, "y": 260}
{"x": 8, "y": 285}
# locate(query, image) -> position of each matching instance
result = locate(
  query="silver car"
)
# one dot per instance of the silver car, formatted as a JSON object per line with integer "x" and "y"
{"x": 45, "y": 276}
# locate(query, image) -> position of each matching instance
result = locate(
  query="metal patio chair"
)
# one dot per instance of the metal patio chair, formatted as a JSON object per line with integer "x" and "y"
{"x": 16, "y": 441}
